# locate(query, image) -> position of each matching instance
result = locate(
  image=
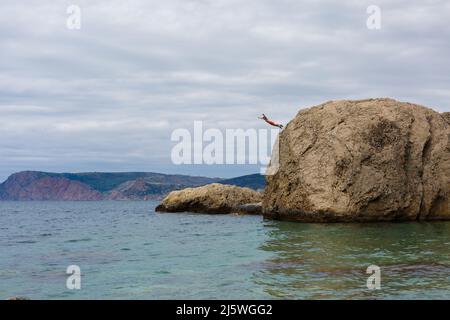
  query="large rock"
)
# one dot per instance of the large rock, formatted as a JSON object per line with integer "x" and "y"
{"x": 368, "y": 160}
{"x": 212, "y": 198}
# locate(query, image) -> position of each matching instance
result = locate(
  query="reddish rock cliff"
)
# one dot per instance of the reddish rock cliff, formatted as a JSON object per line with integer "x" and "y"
{"x": 40, "y": 186}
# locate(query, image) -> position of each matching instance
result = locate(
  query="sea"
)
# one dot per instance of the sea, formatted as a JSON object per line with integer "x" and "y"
{"x": 124, "y": 250}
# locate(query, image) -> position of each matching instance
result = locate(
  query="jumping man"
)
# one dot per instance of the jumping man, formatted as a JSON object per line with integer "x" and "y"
{"x": 272, "y": 123}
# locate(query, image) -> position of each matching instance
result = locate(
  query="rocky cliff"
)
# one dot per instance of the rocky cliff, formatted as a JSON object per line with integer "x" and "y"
{"x": 41, "y": 186}
{"x": 367, "y": 160}
{"x": 446, "y": 116}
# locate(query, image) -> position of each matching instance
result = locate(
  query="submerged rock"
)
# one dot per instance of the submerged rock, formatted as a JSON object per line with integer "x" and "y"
{"x": 249, "y": 208}
{"x": 18, "y": 298}
{"x": 213, "y": 198}
{"x": 367, "y": 160}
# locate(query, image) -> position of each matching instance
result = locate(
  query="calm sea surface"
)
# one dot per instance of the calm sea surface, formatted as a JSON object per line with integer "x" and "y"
{"x": 127, "y": 251}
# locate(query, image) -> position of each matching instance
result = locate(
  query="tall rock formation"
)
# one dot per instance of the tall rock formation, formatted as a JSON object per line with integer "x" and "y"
{"x": 366, "y": 160}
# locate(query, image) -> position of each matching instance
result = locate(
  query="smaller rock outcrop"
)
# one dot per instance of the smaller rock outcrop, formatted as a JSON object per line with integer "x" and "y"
{"x": 213, "y": 198}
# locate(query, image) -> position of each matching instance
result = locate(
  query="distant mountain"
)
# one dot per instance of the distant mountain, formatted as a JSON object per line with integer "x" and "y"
{"x": 253, "y": 181}
{"x": 33, "y": 185}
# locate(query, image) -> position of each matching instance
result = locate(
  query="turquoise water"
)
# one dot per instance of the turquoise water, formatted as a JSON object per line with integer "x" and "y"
{"x": 127, "y": 251}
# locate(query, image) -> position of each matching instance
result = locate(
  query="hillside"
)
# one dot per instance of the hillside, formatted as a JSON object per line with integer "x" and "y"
{"x": 33, "y": 185}
{"x": 253, "y": 181}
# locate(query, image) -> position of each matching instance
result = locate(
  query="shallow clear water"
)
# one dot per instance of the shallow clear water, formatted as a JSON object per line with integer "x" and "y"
{"x": 127, "y": 251}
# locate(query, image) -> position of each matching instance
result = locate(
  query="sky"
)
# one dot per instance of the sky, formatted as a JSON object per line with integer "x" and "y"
{"x": 107, "y": 96}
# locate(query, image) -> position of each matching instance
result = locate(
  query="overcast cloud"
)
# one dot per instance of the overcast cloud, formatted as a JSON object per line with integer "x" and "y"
{"x": 107, "y": 97}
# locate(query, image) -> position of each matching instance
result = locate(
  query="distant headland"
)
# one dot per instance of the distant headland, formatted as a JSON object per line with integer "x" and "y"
{"x": 36, "y": 185}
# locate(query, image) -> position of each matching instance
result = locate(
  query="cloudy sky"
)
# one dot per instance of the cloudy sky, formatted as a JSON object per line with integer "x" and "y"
{"x": 107, "y": 97}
